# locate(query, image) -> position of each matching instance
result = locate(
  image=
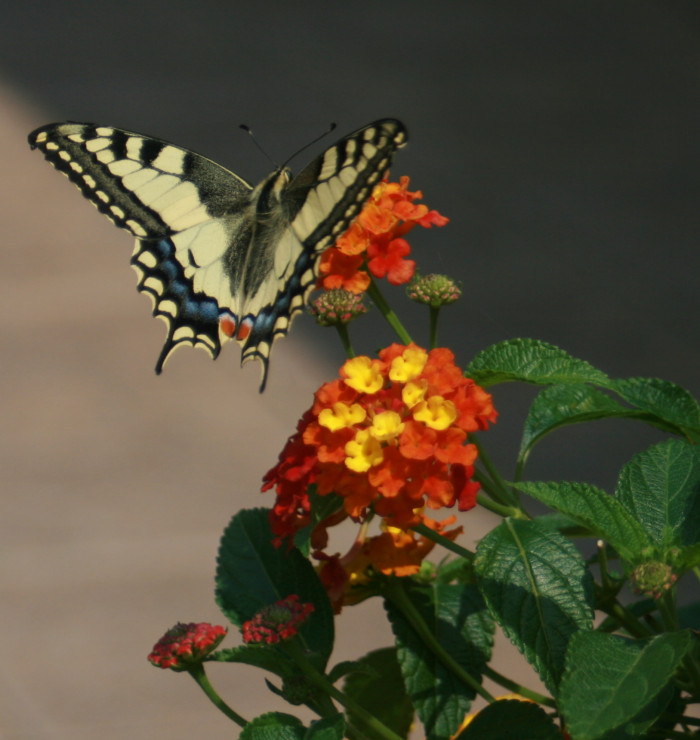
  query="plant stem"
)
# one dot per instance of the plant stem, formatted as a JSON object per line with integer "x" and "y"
{"x": 345, "y": 339}
{"x": 499, "y": 488}
{"x": 386, "y": 311}
{"x": 503, "y": 511}
{"x": 445, "y": 542}
{"x": 317, "y": 679}
{"x": 198, "y": 674}
{"x": 624, "y": 617}
{"x": 434, "y": 314}
{"x": 396, "y": 594}
{"x": 516, "y": 688}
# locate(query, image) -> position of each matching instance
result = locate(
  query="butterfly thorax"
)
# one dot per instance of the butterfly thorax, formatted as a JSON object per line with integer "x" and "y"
{"x": 258, "y": 227}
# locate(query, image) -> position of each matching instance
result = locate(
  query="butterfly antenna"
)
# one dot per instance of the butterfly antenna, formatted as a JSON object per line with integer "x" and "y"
{"x": 249, "y": 131}
{"x": 331, "y": 127}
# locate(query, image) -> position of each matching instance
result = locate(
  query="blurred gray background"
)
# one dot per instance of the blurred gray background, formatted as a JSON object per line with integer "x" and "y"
{"x": 559, "y": 137}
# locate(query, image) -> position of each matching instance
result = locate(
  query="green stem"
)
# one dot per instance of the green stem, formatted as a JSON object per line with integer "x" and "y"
{"x": 386, "y": 311}
{"x": 669, "y": 616}
{"x": 499, "y": 489}
{"x": 434, "y": 313}
{"x": 443, "y": 541}
{"x": 624, "y": 617}
{"x": 396, "y": 594}
{"x": 503, "y": 511}
{"x": 345, "y": 339}
{"x": 198, "y": 674}
{"x": 516, "y": 688}
{"x": 318, "y": 680}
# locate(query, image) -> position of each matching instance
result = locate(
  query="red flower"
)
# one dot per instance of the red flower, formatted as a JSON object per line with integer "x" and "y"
{"x": 186, "y": 645}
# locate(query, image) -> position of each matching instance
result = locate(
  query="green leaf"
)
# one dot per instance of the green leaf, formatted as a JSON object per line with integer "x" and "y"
{"x": 611, "y": 682}
{"x": 531, "y": 361}
{"x": 274, "y": 726}
{"x": 251, "y": 573}
{"x": 561, "y": 405}
{"x": 539, "y": 589}
{"x": 667, "y": 401}
{"x": 378, "y": 687}
{"x": 327, "y": 728}
{"x": 661, "y": 487}
{"x": 505, "y": 720}
{"x": 458, "y": 622}
{"x": 321, "y": 508}
{"x": 599, "y": 512}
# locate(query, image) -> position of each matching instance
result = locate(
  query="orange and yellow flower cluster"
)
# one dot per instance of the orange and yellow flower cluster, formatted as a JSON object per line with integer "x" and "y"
{"x": 389, "y": 437}
{"x": 374, "y": 244}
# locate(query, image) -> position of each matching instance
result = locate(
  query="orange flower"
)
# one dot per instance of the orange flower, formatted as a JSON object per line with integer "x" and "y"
{"x": 373, "y": 244}
{"x": 354, "y": 577}
{"x": 389, "y": 437}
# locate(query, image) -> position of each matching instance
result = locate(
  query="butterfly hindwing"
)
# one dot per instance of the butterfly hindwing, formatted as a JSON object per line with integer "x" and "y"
{"x": 219, "y": 258}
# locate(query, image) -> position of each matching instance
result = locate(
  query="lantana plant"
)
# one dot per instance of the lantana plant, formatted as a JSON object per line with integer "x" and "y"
{"x": 395, "y": 445}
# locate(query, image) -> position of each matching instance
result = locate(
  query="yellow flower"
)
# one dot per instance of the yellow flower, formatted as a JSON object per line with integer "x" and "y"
{"x": 386, "y": 425}
{"x": 341, "y": 415}
{"x": 363, "y": 374}
{"x": 436, "y": 413}
{"x": 409, "y": 365}
{"x": 363, "y": 452}
{"x": 414, "y": 392}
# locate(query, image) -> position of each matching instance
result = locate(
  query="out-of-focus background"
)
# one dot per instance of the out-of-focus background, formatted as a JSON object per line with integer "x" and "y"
{"x": 561, "y": 139}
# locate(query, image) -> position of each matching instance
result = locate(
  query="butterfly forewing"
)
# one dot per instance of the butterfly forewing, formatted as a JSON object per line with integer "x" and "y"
{"x": 219, "y": 258}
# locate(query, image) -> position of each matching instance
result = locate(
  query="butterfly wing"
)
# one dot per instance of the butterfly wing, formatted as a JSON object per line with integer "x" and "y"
{"x": 317, "y": 206}
{"x": 219, "y": 258}
{"x": 157, "y": 190}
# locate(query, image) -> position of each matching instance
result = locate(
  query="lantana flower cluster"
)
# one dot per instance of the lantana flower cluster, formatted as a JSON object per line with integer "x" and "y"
{"x": 277, "y": 622}
{"x": 389, "y": 436}
{"x": 375, "y": 244}
{"x": 186, "y": 645}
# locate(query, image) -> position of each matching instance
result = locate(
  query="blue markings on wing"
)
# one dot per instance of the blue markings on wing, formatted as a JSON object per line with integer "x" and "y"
{"x": 166, "y": 282}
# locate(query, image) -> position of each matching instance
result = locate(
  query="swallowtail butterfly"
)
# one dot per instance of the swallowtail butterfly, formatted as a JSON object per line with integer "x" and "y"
{"x": 221, "y": 259}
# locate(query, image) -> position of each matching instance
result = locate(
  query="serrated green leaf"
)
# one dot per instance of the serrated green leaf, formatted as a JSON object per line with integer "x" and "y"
{"x": 667, "y": 401}
{"x": 611, "y": 681}
{"x": 561, "y": 405}
{"x": 458, "y": 622}
{"x": 251, "y": 573}
{"x": 327, "y": 728}
{"x": 531, "y": 361}
{"x": 378, "y": 687}
{"x": 661, "y": 487}
{"x": 600, "y": 513}
{"x": 539, "y": 589}
{"x": 274, "y": 726}
{"x": 506, "y": 720}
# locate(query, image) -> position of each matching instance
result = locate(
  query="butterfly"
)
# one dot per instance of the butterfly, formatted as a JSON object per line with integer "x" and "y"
{"x": 221, "y": 259}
